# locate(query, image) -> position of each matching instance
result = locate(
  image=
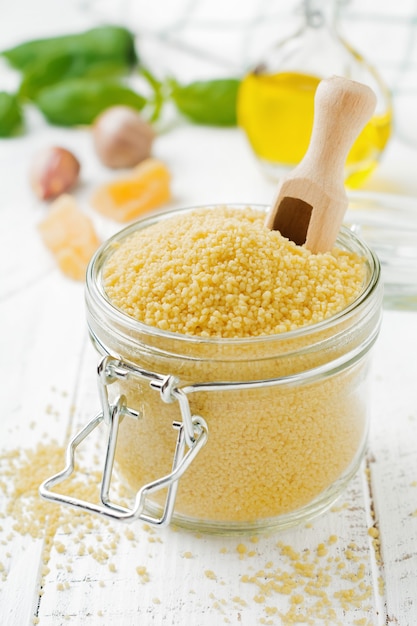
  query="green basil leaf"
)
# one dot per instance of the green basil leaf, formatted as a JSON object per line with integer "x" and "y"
{"x": 11, "y": 118}
{"x": 58, "y": 68}
{"x": 79, "y": 101}
{"x": 112, "y": 43}
{"x": 210, "y": 102}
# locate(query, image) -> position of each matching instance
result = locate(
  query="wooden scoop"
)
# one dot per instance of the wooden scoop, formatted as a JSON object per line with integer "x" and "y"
{"x": 311, "y": 201}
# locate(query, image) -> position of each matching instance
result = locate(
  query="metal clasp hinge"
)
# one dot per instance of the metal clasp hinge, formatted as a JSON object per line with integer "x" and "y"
{"x": 191, "y": 437}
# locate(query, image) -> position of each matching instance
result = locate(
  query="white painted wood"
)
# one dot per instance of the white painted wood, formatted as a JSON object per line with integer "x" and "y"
{"x": 394, "y": 462}
{"x": 198, "y": 579}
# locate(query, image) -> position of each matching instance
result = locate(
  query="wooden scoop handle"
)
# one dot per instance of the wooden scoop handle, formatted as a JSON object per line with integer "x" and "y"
{"x": 311, "y": 201}
{"x": 342, "y": 107}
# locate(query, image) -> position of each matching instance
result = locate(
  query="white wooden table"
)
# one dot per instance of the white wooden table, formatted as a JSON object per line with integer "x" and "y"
{"x": 355, "y": 565}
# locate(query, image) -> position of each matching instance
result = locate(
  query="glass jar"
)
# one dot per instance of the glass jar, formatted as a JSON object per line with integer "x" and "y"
{"x": 276, "y": 98}
{"x": 232, "y": 435}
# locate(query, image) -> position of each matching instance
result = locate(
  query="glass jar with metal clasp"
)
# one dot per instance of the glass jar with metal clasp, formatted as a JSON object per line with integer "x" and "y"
{"x": 228, "y": 435}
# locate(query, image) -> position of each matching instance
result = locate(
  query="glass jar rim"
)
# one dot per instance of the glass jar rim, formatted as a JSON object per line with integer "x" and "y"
{"x": 96, "y": 295}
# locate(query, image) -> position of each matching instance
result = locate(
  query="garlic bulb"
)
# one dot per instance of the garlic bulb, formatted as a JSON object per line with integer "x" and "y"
{"x": 122, "y": 139}
{"x": 54, "y": 170}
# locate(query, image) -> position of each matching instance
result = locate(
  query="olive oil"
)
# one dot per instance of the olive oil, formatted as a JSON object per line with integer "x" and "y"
{"x": 276, "y": 112}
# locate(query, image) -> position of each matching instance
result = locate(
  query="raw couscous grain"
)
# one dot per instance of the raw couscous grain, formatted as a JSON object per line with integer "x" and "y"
{"x": 304, "y": 583}
{"x": 221, "y": 274}
{"x": 23, "y": 470}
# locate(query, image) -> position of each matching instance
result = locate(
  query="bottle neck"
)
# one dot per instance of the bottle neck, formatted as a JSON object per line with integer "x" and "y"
{"x": 321, "y": 13}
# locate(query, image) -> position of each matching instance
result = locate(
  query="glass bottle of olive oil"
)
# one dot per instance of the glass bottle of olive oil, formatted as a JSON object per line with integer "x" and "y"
{"x": 275, "y": 99}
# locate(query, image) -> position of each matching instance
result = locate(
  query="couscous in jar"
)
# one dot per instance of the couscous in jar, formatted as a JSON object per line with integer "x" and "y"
{"x": 271, "y": 345}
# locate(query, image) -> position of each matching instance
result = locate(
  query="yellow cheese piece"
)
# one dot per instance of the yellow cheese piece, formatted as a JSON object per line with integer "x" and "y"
{"x": 145, "y": 187}
{"x": 70, "y": 235}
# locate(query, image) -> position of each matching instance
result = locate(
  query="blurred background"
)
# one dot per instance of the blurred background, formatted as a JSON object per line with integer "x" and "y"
{"x": 204, "y": 38}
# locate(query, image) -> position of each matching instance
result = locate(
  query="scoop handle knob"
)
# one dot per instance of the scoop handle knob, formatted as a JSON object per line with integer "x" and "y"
{"x": 342, "y": 107}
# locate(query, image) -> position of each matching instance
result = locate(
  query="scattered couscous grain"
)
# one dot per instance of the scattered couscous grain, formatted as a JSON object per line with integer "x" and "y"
{"x": 23, "y": 470}
{"x": 187, "y": 554}
{"x": 321, "y": 550}
{"x": 241, "y": 549}
{"x": 210, "y": 574}
{"x": 143, "y": 574}
{"x": 305, "y": 588}
{"x": 314, "y": 589}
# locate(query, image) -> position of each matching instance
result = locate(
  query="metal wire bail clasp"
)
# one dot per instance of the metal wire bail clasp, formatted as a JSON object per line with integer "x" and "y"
{"x": 191, "y": 437}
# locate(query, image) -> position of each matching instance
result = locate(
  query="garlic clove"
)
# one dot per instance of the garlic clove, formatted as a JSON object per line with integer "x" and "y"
{"x": 121, "y": 138}
{"x": 54, "y": 170}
